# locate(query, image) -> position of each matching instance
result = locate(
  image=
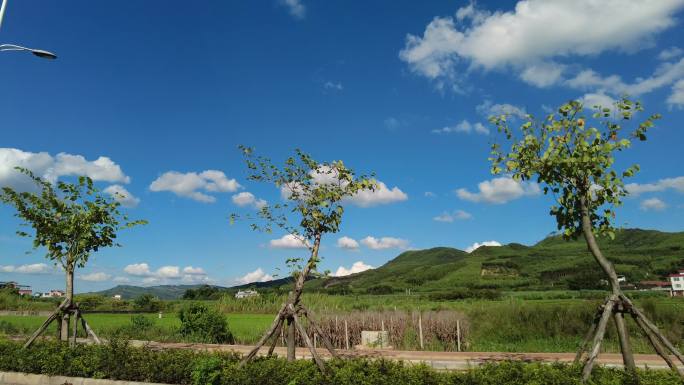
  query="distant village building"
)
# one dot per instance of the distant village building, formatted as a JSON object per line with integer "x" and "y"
{"x": 56, "y": 293}
{"x": 677, "y": 281}
{"x": 656, "y": 286}
{"x": 8, "y": 285}
{"x": 246, "y": 294}
{"x": 117, "y": 297}
{"x": 25, "y": 290}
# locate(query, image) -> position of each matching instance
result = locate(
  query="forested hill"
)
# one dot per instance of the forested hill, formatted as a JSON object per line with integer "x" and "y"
{"x": 551, "y": 263}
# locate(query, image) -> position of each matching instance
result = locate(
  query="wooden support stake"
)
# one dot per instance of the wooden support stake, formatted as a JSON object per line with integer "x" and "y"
{"x": 458, "y": 335}
{"x": 420, "y": 330}
{"x": 307, "y": 341}
{"x": 656, "y": 345}
{"x": 598, "y": 338}
{"x": 346, "y": 335}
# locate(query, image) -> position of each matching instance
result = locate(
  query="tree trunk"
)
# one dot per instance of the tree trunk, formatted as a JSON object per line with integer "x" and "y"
{"x": 609, "y": 270}
{"x": 290, "y": 339}
{"x": 69, "y": 301}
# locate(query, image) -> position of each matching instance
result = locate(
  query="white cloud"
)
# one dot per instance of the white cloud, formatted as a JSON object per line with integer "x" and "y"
{"x": 652, "y": 204}
{"x": 34, "y": 268}
{"x": 670, "y": 53}
{"x": 463, "y": 127}
{"x": 487, "y": 109}
{"x": 392, "y": 123}
{"x": 533, "y": 35}
{"x": 385, "y": 243}
{"x": 168, "y": 272}
{"x": 676, "y": 98}
{"x": 51, "y": 168}
{"x": 189, "y": 184}
{"x": 590, "y": 100}
{"x": 333, "y": 86}
{"x": 288, "y": 241}
{"x": 138, "y": 269}
{"x": 381, "y": 196}
{"x": 499, "y": 190}
{"x": 296, "y": 8}
{"x": 665, "y": 74}
{"x": 477, "y": 245}
{"x": 450, "y": 217}
{"x": 429, "y": 194}
{"x": 96, "y": 277}
{"x": 257, "y": 275}
{"x": 676, "y": 184}
{"x": 121, "y": 279}
{"x": 121, "y": 195}
{"x": 347, "y": 243}
{"x": 101, "y": 169}
{"x": 189, "y": 270}
{"x": 248, "y": 199}
{"x": 543, "y": 74}
{"x": 357, "y": 267}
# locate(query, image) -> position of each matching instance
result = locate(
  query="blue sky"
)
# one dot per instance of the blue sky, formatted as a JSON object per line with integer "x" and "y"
{"x": 399, "y": 88}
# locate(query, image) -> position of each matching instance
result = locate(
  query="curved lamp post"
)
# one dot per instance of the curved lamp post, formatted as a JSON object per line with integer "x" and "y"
{"x": 12, "y": 47}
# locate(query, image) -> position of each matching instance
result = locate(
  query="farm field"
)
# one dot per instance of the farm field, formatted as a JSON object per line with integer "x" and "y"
{"x": 510, "y": 325}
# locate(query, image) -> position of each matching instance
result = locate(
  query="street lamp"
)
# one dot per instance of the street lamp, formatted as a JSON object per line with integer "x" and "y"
{"x": 12, "y": 47}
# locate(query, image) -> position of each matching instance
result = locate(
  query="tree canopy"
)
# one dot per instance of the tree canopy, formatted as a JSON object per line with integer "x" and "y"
{"x": 71, "y": 220}
{"x": 573, "y": 158}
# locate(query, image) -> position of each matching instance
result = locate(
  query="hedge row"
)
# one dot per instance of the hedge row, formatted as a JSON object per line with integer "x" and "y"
{"x": 117, "y": 360}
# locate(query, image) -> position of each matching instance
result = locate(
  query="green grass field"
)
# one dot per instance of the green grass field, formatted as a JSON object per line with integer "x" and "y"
{"x": 245, "y": 327}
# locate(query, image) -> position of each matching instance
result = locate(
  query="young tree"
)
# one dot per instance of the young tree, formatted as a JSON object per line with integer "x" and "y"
{"x": 70, "y": 221}
{"x": 315, "y": 196}
{"x": 574, "y": 161}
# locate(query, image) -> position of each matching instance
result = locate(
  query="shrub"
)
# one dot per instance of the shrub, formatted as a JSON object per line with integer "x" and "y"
{"x": 147, "y": 302}
{"x": 203, "y": 324}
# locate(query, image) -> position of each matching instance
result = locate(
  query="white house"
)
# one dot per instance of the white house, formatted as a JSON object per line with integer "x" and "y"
{"x": 117, "y": 297}
{"x": 246, "y": 294}
{"x": 677, "y": 281}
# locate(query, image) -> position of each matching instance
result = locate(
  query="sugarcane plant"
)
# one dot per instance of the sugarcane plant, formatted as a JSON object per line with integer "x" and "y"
{"x": 572, "y": 157}
{"x": 70, "y": 221}
{"x": 314, "y": 195}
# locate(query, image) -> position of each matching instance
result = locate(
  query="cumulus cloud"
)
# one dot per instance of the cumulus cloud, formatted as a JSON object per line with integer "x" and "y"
{"x": 121, "y": 195}
{"x": 477, "y": 245}
{"x": 188, "y": 274}
{"x": 189, "y": 185}
{"x": 333, "y": 86}
{"x": 381, "y": 196}
{"x": 348, "y": 243}
{"x": 385, "y": 243}
{"x": 248, "y": 199}
{"x": 531, "y": 37}
{"x": 34, "y": 268}
{"x": 677, "y": 184}
{"x": 665, "y": 74}
{"x": 121, "y": 279}
{"x": 257, "y": 275}
{"x": 288, "y": 241}
{"x": 591, "y": 100}
{"x": 463, "y": 127}
{"x": 51, "y": 168}
{"x": 296, "y": 8}
{"x": 95, "y": 277}
{"x": 453, "y": 216}
{"x": 357, "y": 267}
{"x": 670, "y": 53}
{"x": 676, "y": 98}
{"x": 488, "y": 108}
{"x": 653, "y": 204}
{"x": 499, "y": 190}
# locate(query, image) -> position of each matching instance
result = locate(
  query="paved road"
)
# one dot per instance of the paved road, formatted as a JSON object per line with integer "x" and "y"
{"x": 438, "y": 360}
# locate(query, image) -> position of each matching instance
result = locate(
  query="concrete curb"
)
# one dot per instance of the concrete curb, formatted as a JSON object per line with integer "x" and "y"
{"x": 14, "y": 378}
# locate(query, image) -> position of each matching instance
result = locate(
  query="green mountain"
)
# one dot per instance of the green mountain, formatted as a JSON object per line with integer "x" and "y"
{"x": 551, "y": 263}
{"x": 161, "y": 292}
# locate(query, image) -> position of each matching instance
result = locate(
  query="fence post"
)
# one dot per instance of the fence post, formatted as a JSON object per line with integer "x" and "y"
{"x": 346, "y": 335}
{"x": 420, "y": 330}
{"x": 458, "y": 335}
{"x": 314, "y": 335}
{"x": 382, "y": 325}
{"x": 337, "y": 330}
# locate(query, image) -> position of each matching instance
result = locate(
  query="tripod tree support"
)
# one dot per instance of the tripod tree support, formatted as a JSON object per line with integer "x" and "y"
{"x": 574, "y": 161}
{"x": 71, "y": 221}
{"x": 315, "y": 192}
